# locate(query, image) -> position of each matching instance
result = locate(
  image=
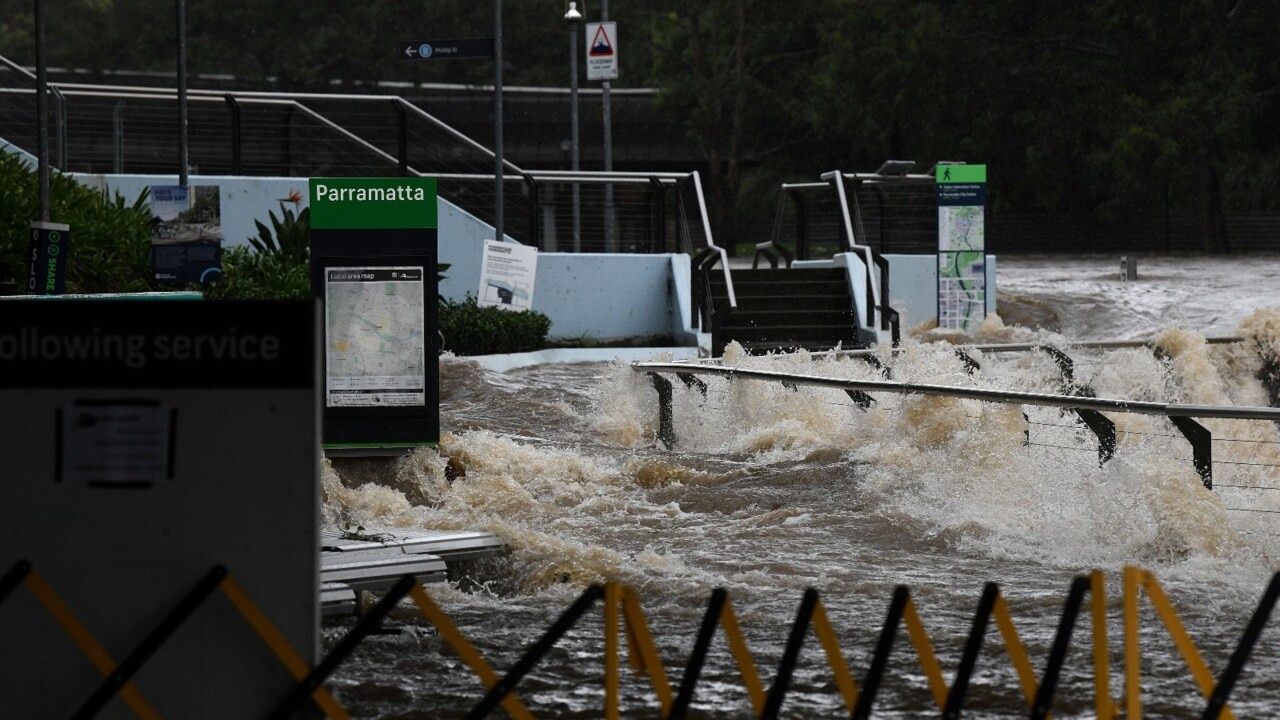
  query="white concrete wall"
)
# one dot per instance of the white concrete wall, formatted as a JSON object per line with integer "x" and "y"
{"x": 609, "y": 296}
{"x": 913, "y": 287}
{"x": 589, "y": 296}
{"x": 601, "y": 297}
{"x": 913, "y": 284}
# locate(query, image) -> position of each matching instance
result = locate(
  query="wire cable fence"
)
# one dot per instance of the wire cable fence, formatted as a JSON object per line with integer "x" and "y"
{"x": 1241, "y": 464}
{"x": 17, "y": 105}
{"x": 134, "y": 129}
{"x": 892, "y": 216}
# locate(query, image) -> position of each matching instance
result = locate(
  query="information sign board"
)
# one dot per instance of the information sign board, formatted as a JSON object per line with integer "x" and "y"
{"x": 507, "y": 274}
{"x": 47, "y": 250}
{"x": 186, "y": 233}
{"x": 447, "y": 49}
{"x": 373, "y": 264}
{"x": 962, "y": 197}
{"x": 602, "y": 51}
{"x": 153, "y": 442}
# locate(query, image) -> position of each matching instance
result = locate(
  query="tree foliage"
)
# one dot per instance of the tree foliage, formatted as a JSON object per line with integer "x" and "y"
{"x": 1116, "y": 109}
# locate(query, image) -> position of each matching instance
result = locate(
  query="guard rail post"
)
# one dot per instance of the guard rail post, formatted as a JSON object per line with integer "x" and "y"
{"x": 666, "y": 423}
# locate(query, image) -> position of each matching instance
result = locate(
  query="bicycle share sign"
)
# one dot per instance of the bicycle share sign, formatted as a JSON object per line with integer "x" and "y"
{"x": 374, "y": 249}
{"x": 962, "y": 198}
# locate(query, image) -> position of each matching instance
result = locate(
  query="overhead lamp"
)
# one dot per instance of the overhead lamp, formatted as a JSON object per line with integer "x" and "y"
{"x": 572, "y": 15}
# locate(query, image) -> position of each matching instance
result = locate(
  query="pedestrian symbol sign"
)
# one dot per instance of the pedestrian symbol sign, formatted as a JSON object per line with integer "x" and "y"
{"x": 602, "y": 51}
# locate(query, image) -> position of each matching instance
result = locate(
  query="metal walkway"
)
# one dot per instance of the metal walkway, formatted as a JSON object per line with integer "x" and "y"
{"x": 373, "y": 560}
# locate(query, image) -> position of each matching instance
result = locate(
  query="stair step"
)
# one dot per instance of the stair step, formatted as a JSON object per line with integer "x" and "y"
{"x": 751, "y": 303}
{"x": 789, "y": 287}
{"x": 778, "y": 317}
{"x": 760, "y": 348}
{"x": 792, "y": 333}
{"x": 778, "y": 274}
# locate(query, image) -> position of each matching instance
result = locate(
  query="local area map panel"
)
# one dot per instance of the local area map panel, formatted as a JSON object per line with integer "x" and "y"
{"x": 376, "y": 353}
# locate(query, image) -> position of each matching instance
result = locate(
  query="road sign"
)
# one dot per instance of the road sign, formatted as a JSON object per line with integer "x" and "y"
{"x": 602, "y": 51}
{"x": 446, "y": 49}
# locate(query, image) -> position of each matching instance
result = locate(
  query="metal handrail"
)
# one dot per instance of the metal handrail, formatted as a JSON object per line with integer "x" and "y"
{"x": 851, "y": 242}
{"x": 347, "y": 134}
{"x": 1031, "y": 347}
{"x": 1225, "y": 412}
{"x": 293, "y": 100}
{"x": 17, "y": 68}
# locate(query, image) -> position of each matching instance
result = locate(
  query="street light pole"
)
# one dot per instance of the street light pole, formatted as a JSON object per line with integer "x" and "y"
{"x": 573, "y": 18}
{"x": 498, "y": 232}
{"x": 609, "y": 243}
{"x": 183, "y": 162}
{"x": 42, "y": 116}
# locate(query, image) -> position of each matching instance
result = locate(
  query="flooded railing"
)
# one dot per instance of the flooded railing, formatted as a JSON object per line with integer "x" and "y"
{"x": 1077, "y": 398}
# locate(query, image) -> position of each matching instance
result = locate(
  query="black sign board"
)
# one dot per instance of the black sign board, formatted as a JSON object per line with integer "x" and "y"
{"x": 104, "y": 344}
{"x": 47, "y": 269}
{"x": 373, "y": 266}
{"x": 188, "y": 263}
{"x": 447, "y": 49}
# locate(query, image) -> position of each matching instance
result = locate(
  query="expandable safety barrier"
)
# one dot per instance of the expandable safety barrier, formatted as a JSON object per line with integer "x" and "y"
{"x": 625, "y": 619}
{"x": 117, "y": 676}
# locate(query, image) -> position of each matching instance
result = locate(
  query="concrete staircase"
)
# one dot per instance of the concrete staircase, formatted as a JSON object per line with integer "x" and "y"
{"x": 787, "y": 309}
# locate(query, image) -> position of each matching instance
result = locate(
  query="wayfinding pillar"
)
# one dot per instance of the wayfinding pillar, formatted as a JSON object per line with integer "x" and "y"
{"x": 373, "y": 266}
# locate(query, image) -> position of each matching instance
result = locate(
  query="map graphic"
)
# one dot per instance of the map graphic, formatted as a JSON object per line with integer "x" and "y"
{"x": 962, "y": 286}
{"x": 375, "y": 319}
{"x": 961, "y": 228}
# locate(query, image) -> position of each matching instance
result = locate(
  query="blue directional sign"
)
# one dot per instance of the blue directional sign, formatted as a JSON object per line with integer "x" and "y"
{"x": 447, "y": 49}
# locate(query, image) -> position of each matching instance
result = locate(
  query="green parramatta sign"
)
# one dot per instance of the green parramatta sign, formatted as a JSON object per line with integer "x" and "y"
{"x": 373, "y": 203}
{"x": 374, "y": 249}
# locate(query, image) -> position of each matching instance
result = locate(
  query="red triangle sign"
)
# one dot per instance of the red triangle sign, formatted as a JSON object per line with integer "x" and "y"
{"x": 600, "y": 46}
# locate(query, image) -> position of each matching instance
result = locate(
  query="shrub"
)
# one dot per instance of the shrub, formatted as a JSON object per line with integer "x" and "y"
{"x": 110, "y": 247}
{"x": 249, "y": 275}
{"x": 289, "y": 236}
{"x": 470, "y": 329}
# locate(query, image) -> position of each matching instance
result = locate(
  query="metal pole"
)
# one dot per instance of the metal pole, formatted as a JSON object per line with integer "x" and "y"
{"x": 497, "y": 120}
{"x": 610, "y": 243}
{"x": 42, "y": 114}
{"x": 182, "y": 92}
{"x": 573, "y": 134}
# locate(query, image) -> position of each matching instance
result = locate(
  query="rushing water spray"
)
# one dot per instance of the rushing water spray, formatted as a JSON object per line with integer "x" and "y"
{"x": 771, "y": 489}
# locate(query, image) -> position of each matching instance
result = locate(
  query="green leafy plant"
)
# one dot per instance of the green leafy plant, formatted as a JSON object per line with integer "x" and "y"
{"x": 110, "y": 248}
{"x": 440, "y": 276}
{"x": 289, "y": 235}
{"x": 470, "y": 329}
{"x": 249, "y": 275}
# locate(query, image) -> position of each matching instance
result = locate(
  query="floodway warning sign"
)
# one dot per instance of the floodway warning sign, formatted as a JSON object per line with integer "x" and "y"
{"x": 602, "y": 51}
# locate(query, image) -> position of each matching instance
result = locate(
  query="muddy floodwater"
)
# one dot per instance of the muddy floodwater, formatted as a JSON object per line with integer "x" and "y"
{"x": 772, "y": 490}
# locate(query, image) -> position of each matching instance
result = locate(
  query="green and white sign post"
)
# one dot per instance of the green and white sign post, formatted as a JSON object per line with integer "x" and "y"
{"x": 962, "y": 259}
{"x": 373, "y": 264}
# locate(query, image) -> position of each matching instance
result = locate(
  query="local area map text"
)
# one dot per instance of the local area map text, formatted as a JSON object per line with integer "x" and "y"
{"x": 375, "y": 327}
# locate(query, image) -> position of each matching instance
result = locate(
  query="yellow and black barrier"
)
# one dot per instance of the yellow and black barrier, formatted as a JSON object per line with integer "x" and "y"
{"x": 624, "y": 620}
{"x": 117, "y": 676}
